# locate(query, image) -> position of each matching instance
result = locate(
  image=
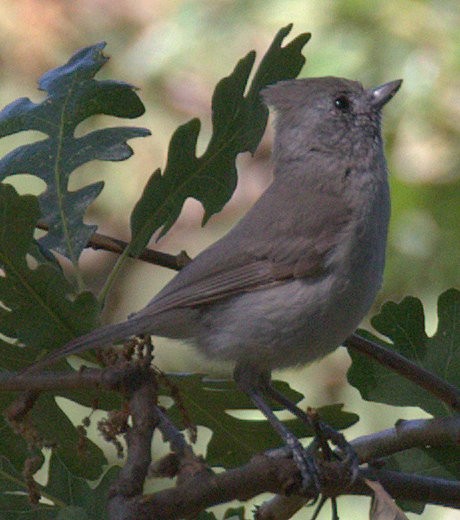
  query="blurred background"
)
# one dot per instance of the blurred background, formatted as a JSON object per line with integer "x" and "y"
{"x": 175, "y": 51}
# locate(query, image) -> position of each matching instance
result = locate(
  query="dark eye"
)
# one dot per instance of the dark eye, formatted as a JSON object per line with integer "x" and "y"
{"x": 342, "y": 103}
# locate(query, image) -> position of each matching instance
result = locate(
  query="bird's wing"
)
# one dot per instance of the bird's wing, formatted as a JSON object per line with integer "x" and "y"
{"x": 225, "y": 269}
{"x": 261, "y": 251}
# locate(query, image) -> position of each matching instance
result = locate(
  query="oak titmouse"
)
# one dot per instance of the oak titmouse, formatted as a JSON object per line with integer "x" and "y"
{"x": 297, "y": 274}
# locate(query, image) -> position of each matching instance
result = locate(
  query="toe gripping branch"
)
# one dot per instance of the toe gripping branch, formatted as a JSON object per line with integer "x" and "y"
{"x": 322, "y": 469}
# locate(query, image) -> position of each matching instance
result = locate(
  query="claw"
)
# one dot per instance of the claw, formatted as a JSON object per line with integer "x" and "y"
{"x": 306, "y": 464}
{"x": 349, "y": 459}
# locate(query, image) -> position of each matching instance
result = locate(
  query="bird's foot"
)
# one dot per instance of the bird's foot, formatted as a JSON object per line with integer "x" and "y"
{"x": 306, "y": 464}
{"x": 338, "y": 466}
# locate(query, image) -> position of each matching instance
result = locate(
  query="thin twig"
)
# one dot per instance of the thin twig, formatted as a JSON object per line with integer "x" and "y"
{"x": 172, "y": 435}
{"x": 115, "y": 245}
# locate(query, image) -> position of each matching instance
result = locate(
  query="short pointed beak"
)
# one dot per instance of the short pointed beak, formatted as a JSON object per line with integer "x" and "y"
{"x": 382, "y": 94}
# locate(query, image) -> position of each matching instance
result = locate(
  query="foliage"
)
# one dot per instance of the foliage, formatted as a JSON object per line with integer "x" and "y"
{"x": 404, "y": 324}
{"x": 73, "y": 96}
{"x": 75, "y": 498}
{"x": 238, "y": 125}
{"x": 41, "y": 308}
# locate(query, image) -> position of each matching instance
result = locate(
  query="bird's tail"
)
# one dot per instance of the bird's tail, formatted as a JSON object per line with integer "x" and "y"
{"x": 98, "y": 338}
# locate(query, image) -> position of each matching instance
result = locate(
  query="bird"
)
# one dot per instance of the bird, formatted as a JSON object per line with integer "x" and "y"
{"x": 297, "y": 274}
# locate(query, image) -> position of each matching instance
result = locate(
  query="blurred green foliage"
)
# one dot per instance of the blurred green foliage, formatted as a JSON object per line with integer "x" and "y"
{"x": 177, "y": 50}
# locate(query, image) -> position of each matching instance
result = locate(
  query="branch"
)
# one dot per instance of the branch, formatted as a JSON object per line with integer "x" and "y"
{"x": 406, "y": 434}
{"x": 401, "y": 365}
{"x": 115, "y": 245}
{"x": 266, "y": 474}
{"x": 398, "y": 485}
{"x": 278, "y": 474}
{"x": 198, "y": 488}
{"x": 143, "y": 411}
{"x": 111, "y": 378}
{"x": 441, "y": 431}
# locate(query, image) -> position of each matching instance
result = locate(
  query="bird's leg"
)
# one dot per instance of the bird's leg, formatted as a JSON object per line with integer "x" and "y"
{"x": 248, "y": 380}
{"x": 350, "y": 458}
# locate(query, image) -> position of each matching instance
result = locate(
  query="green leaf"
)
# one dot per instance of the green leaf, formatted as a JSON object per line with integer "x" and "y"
{"x": 404, "y": 324}
{"x": 234, "y": 513}
{"x": 72, "y": 96}
{"x": 39, "y": 310}
{"x": 42, "y": 311}
{"x": 437, "y": 462}
{"x": 205, "y": 515}
{"x": 238, "y": 124}
{"x": 14, "y": 501}
{"x": 71, "y": 496}
{"x": 51, "y": 424}
{"x": 230, "y": 514}
{"x": 235, "y": 440}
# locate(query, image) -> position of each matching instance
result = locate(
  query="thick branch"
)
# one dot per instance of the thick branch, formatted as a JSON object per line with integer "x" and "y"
{"x": 418, "y": 375}
{"x": 112, "y": 378}
{"x": 130, "y": 482}
{"x": 267, "y": 474}
{"x": 398, "y": 485}
{"x": 198, "y": 491}
{"x": 442, "y": 431}
{"x": 276, "y": 475}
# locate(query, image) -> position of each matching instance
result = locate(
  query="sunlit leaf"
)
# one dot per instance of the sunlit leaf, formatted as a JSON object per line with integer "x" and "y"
{"x": 73, "y": 95}
{"x": 238, "y": 120}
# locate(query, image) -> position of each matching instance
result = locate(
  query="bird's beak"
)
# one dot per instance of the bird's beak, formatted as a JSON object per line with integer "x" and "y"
{"x": 382, "y": 94}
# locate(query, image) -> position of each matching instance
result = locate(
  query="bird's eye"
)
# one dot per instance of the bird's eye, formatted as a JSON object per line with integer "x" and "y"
{"x": 342, "y": 103}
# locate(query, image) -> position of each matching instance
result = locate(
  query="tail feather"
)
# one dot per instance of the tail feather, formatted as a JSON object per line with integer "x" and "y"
{"x": 98, "y": 338}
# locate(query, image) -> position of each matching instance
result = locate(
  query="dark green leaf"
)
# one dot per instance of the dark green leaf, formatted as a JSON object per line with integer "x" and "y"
{"x": 39, "y": 310}
{"x": 439, "y": 462}
{"x": 72, "y": 96}
{"x": 234, "y": 441}
{"x": 55, "y": 428}
{"x": 404, "y": 324}
{"x": 72, "y": 497}
{"x": 234, "y": 514}
{"x": 238, "y": 124}
{"x": 205, "y": 515}
{"x": 14, "y": 502}
{"x": 42, "y": 311}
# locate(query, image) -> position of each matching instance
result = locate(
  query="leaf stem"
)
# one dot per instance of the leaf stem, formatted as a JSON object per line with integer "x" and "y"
{"x": 113, "y": 275}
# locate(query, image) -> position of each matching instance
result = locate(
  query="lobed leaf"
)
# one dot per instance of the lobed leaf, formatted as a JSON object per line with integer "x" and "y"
{"x": 39, "y": 307}
{"x": 238, "y": 121}
{"x": 436, "y": 462}
{"x": 404, "y": 324}
{"x": 71, "y": 496}
{"x": 39, "y": 310}
{"x": 73, "y": 95}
